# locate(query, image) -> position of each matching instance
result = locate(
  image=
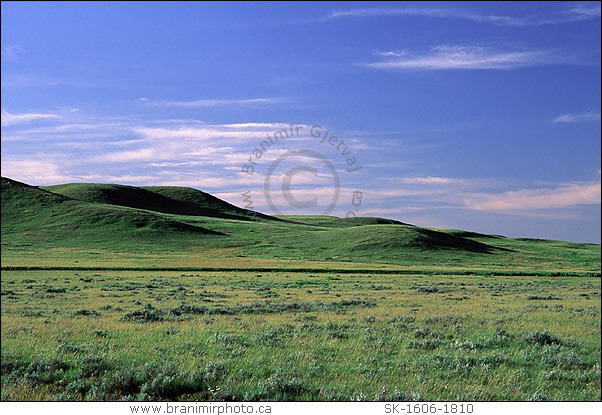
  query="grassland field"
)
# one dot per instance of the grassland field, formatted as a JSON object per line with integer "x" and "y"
{"x": 298, "y": 336}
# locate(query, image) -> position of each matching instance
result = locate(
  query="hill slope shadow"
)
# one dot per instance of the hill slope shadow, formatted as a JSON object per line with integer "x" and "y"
{"x": 163, "y": 199}
{"x": 30, "y": 210}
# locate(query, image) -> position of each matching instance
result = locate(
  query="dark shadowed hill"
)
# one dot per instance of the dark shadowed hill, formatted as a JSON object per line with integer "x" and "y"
{"x": 163, "y": 199}
{"x": 39, "y": 214}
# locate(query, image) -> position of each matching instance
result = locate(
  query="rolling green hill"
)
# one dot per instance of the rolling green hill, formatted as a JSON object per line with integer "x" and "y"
{"x": 184, "y": 226}
{"x": 174, "y": 200}
{"x": 35, "y": 215}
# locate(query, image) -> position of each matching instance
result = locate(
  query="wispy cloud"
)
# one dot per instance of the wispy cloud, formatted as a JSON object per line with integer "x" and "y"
{"x": 45, "y": 170}
{"x": 36, "y": 172}
{"x": 584, "y": 11}
{"x": 213, "y": 103}
{"x": 88, "y": 133}
{"x": 431, "y": 180}
{"x": 537, "y": 199}
{"x": 464, "y": 57}
{"x": 436, "y": 189}
{"x": 37, "y": 80}
{"x": 183, "y": 145}
{"x": 591, "y": 116}
{"x": 574, "y": 14}
{"x": 11, "y": 119}
{"x": 391, "y": 53}
{"x": 11, "y": 52}
{"x": 240, "y": 132}
{"x": 263, "y": 125}
{"x": 437, "y": 193}
{"x": 128, "y": 156}
{"x": 121, "y": 179}
{"x": 390, "y": 211}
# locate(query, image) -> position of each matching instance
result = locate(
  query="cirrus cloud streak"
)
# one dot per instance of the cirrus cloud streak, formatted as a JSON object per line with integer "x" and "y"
{"x": 537, "y": 199}
{"x": 464, "y": 58}
{"x": 11, "y": 119}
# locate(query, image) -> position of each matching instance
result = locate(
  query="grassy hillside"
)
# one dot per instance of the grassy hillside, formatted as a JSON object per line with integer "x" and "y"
{"x": 174, "y": 200}
{"x": 34, "y": 216}
{"x": 183, "y": 227}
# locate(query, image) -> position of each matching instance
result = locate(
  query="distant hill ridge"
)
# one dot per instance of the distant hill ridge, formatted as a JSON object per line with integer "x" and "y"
{"x": 185, "y": 223}
{"x": 113, "y": 209}
{"x": 165, "y": 199}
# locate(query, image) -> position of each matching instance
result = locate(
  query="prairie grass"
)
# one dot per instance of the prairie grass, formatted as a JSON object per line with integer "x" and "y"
{"x": 144, "y": 335}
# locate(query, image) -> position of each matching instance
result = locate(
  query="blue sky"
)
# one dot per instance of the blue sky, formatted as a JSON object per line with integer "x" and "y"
{"x": 483, "y": 117}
